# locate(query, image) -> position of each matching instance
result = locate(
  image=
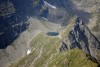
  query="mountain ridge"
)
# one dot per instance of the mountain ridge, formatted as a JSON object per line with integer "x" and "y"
{"x": 27, "y": 33}
{"x": 63, "y": 46}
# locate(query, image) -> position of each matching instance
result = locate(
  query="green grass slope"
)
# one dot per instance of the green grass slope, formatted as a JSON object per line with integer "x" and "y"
{"x": 45, "y": 53}
{"x": 73, "y": 58}
{"x": 42, "y": 46}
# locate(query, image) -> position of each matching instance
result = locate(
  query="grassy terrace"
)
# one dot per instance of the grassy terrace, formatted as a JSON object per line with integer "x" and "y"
{"x": 41, "y": 43}
{"x": 26, "y": 61}
{"x": 49, "y": 45}
{"x": 73, "y": 58}
{"x": 45, "y": 53}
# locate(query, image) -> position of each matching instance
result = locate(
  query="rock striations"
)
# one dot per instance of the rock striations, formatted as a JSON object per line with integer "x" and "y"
{"x": 81, "y": 37}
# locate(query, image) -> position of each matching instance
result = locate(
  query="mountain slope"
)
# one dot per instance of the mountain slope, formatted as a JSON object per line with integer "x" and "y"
{"x": 45, "y": 53}
{"x": 79, "y": 36}
{"x": 54, "y": 51}
{"x": 13, "y": 17}
{"x": 22, "y": 21}
{"x": 19, "y": 47}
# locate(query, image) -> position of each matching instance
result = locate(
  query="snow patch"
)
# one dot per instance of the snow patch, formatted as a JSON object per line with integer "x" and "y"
{"x": 45, "y": 18}
{"x": 28, "y": 51}
{"x": 47, "y": 4}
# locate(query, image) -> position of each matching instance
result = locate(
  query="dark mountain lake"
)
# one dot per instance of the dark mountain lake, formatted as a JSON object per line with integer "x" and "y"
{"x": 52, "y": 33}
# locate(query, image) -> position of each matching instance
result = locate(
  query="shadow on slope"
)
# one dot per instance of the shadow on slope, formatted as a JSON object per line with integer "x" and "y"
{"x": 70, "y": 8}
{"x": 12, "y": 25}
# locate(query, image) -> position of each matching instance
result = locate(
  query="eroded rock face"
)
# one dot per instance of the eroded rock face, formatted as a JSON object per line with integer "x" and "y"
{"x": 81, "y": 37}
{"x": 63, "y": 47}
{"x": 13, "y": 23}
{"x": 77, "y": 35}
{"x": 16, "y": 12}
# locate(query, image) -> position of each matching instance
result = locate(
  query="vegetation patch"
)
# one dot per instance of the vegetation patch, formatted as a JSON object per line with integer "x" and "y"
{"x": 45, "y": 53}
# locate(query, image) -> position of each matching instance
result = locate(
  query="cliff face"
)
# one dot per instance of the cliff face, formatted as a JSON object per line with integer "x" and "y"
{"x": 44, "y": 52}
{"x": 60, "y": 50}
{"x": 22, "y": 20}
{"x": 24, "y": 8}
{"x": 15, "y": 13}
{"x": 13, "y": 17}
{"x": 81, "y": 37}
{"x": 77, "y": 46}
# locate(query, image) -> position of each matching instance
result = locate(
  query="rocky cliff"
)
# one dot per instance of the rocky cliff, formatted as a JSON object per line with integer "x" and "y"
{"x": 13, "y": 17}
{"x": 79, "y": 36}
{"x": 23, "y": 45}
{"x": 76, "y": 45}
